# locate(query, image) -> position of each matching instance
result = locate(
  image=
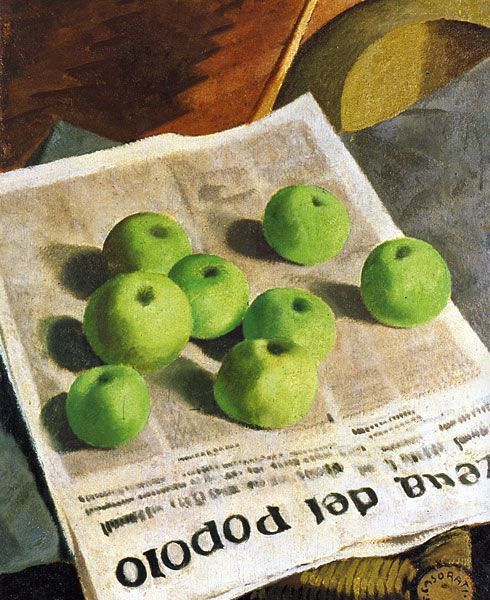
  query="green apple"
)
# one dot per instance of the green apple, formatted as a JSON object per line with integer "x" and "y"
{"x": 217, "y": 291}
{"x": 267, "y": 383}
{"x": 405, "y": 282}
{"x": 292, "y": 314}
{"x": 108, "y": 406}
{"x": 139, "y": 319}
{"x": 148, "y": 241}
{"x": 306, "y": 224}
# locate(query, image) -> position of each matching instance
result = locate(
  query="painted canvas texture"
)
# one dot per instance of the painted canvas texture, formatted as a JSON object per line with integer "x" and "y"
{"x": 426, "y": 159}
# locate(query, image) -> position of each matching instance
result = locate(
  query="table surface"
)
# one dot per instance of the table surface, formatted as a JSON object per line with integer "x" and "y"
{"x": 138, "y": 67}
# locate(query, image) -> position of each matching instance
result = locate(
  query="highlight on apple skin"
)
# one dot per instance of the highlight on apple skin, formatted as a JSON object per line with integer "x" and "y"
{"x": 217, "y": 290}
{"x": 139, "y": 319}
{"x": 405, "y": 282}
{"x": 306, "y": 224}
{"x": 108, "y": 406}
{"x": 292, "y": 314}
{"x": 148, "y": 241}
{"x": 266, "y": 383}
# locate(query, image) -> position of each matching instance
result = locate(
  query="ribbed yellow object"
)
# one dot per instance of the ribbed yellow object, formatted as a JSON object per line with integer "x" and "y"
{"x": 378, "y": 578}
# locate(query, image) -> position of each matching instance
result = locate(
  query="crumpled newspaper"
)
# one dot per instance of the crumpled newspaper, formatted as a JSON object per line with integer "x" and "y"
{"x": 430, "y": 167}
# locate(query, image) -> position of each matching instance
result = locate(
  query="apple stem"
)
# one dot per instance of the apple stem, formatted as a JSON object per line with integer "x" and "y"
{"x": 145, "y": 296}
{"x": 403, "y": 251}
{"x": 276, "y": 348}
{"x": 210, "y": 271}
{"x": 159, "y": 231}
{"x": 300, "y": 305}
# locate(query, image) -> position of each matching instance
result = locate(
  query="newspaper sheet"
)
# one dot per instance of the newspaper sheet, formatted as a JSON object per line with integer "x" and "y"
{"x": 394, "y": 449}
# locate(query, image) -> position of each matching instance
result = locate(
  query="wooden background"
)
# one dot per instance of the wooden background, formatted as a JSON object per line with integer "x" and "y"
{"x": 128, "y": 68}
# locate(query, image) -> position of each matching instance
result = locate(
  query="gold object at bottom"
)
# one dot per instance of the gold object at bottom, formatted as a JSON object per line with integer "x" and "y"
{"x": 445, "y": 583}
{"x": 438, "y": 570}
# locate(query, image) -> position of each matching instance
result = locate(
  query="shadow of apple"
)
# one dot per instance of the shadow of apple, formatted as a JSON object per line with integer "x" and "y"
{"x": 245, "y": 237}
{"x": 344, "y": 299}
{"x": 55, "y": 423}
{"x": 219, "y": 347}
{"x": 79, "y": 269}
{"x": 192, "y": 383}
{"x": 67, "y": 345}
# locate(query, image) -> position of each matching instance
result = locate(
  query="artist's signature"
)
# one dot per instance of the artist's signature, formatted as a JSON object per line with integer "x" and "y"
{"x": 445, "y": 583}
